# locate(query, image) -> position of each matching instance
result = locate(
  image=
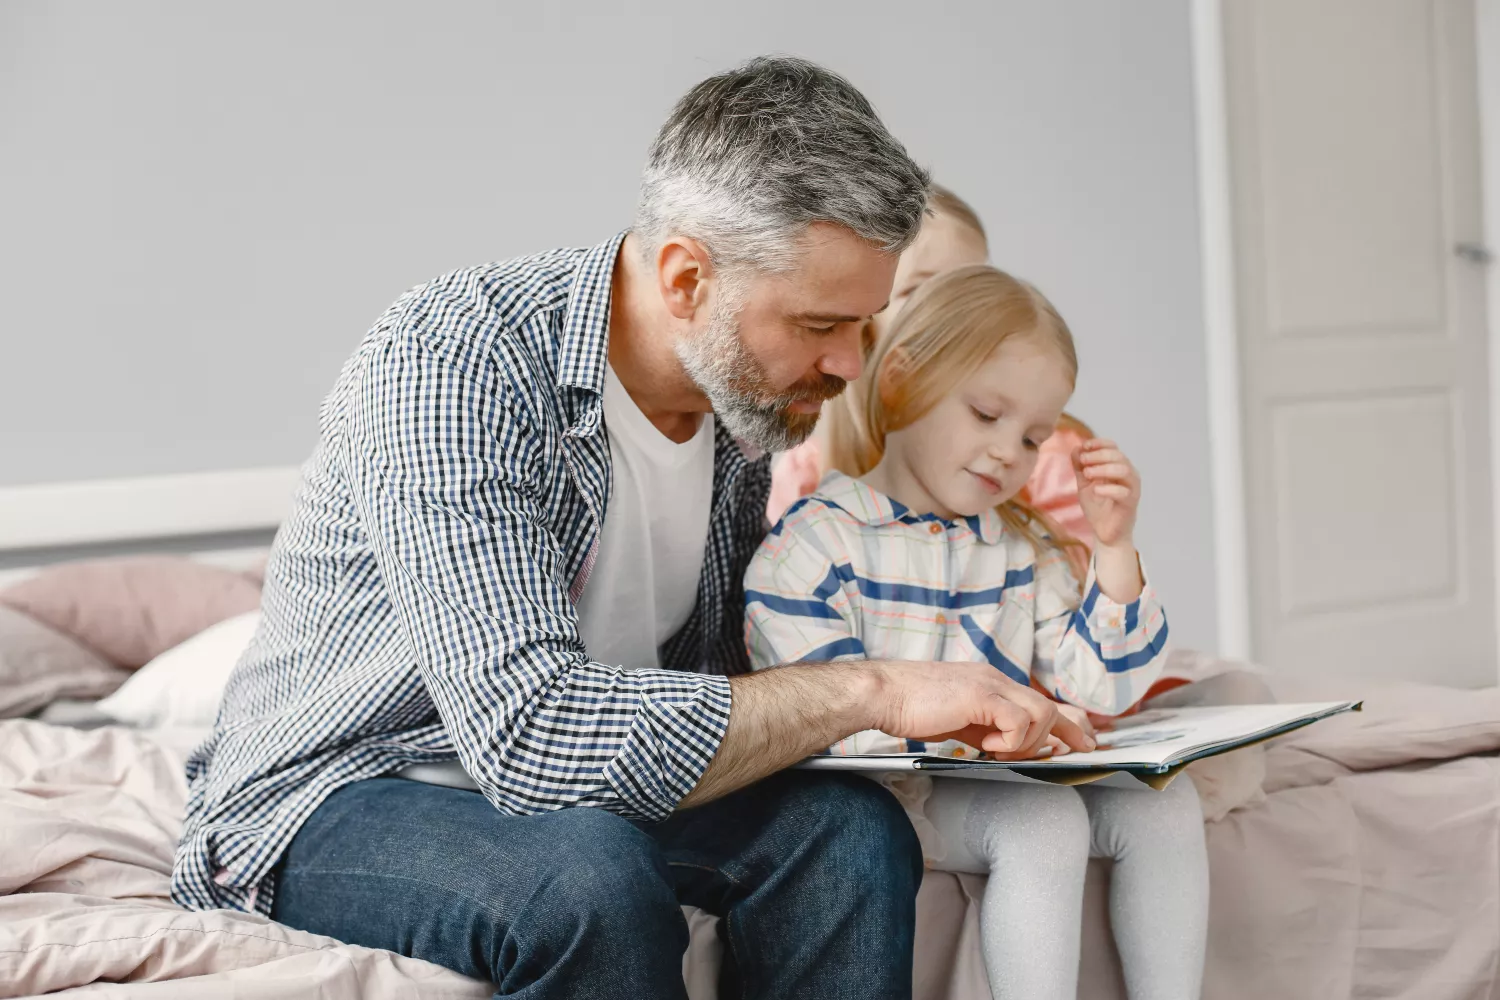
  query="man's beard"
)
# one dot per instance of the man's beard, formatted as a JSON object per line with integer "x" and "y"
{"x": 740, "y": 391}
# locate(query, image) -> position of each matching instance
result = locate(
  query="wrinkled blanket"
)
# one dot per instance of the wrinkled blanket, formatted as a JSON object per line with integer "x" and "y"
{"x": 1370, "y": 867}
{"x": 88, "y": 824}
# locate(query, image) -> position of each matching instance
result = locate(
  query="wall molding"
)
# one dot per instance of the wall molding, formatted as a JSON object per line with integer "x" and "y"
{"x": 47, "y": 515}
{"x": 1487, "y": 54}
{"x": 1220, "y": 330}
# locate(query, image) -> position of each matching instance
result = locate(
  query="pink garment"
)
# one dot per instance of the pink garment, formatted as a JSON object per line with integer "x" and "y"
{"x": 795, "y": 475}
{"x": 1053, "y": 486}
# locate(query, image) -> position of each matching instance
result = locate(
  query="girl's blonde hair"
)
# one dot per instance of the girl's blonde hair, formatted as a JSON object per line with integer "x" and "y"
{"x": 844, "y": 415}
{"x": 951, "y": 325}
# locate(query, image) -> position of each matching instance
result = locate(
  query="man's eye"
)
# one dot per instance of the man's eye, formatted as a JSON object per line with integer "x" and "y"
{"x": 984, "y": 418}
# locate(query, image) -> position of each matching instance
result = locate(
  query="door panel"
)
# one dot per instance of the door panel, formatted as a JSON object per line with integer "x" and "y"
{"x": 1354, "y": 146}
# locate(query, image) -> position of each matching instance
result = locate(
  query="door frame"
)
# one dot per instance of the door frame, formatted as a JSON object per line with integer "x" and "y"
{"x": 1487, "y": 39}
{"x": 1220, "y": 327}
{"x": 1220, "y": 331}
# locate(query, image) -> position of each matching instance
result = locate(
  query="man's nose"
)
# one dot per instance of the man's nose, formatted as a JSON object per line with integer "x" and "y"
{"x": 843, "y": 353}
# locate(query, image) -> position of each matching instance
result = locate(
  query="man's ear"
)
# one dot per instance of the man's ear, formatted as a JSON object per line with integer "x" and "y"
{"x": 683, "y": 269}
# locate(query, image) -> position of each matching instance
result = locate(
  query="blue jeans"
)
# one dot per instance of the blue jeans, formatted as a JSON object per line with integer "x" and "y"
{"x": 814, "y": 875}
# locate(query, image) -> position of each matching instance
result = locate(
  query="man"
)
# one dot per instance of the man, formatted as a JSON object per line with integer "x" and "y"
{"x": 520, "y": 543}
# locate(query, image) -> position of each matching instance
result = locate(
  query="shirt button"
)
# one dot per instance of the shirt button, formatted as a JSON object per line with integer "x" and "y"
{"x": 942, "y": 619}
{"x": 936, "y": 529}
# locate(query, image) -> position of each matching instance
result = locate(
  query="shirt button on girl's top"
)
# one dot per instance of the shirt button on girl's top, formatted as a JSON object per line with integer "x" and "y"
{"x": 936, "y": 529}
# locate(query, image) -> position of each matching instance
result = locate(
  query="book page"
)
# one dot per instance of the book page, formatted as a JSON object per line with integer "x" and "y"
{"x": 1153, "y": 738}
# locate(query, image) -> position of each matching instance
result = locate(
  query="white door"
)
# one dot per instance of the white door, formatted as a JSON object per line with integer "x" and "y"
{"x": 1354, "y": 161}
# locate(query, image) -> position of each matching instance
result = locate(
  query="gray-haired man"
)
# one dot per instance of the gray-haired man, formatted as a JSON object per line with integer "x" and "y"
{"x": 520, "y": 543}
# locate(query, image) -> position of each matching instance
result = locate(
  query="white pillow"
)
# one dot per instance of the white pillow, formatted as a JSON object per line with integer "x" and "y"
{"x": 182, "y": 687}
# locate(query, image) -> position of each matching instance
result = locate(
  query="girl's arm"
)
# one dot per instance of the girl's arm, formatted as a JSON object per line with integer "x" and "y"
{"x": 1105, "y": 653}
{"x": 1101, "y": 655}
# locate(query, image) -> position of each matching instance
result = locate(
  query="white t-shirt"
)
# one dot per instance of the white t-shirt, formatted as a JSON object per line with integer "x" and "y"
{"x": 645, "y": 582}
{"x": 645, "y": 578}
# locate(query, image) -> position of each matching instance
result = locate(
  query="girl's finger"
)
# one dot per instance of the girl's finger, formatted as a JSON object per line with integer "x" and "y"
{"x": 1118, "y": 470}
{"x": 1104, "y": 455}
{"x": 1095, "y": 443}
{"x": 1112, "y": 490}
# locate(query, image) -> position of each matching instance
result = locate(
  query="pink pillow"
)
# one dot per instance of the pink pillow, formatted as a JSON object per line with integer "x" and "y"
{"x": 132, "y": 609}
{"x": 38, "y": 666}
{"x": 256, "y": 571}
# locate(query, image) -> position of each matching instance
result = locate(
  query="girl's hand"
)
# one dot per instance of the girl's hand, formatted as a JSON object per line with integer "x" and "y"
{"x": 1109, "y": 491}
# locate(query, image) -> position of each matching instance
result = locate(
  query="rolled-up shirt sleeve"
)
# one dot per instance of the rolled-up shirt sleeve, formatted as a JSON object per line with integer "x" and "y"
{"x": 445, "y": 468}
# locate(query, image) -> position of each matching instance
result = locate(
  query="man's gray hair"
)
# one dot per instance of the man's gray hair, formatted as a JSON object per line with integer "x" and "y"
{"x": 750, "y": 158}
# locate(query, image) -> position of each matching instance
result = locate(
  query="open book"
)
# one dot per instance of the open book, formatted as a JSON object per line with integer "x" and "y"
{"x": 1153, "y": 743}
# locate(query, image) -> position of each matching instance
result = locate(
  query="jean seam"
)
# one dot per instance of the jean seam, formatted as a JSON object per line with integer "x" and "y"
{"x": 707, "y": 868}
{"x": 482, "y": 906}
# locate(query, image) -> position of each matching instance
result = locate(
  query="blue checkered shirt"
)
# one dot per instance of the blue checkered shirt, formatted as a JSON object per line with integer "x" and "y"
{"x": 419, "y": 602}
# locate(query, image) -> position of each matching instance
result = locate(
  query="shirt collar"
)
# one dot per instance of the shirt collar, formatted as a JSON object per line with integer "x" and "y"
{"x": 871, "y": 507}
{"x": 585, "y": 340}
{"x": 584, "y": 355}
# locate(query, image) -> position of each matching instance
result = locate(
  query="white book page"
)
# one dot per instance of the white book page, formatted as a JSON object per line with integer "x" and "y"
{"x": 1154, "y": 737}
{"x": 1160, "y": 735}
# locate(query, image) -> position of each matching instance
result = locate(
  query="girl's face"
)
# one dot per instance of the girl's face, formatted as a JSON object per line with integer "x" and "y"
{"x": 942, "y": 244}
{"x": 976, "y": 448}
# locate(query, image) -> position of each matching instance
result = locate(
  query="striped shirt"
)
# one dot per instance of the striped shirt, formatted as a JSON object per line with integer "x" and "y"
{"x": 419, "y": 603}
{"x": 849, "y": 573}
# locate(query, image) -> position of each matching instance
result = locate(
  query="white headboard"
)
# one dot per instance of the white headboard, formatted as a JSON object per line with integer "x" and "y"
{"x": 47, "y": 520}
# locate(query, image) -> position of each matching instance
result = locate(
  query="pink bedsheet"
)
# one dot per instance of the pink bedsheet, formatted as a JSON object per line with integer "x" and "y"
{"x": 1371, "y": 868}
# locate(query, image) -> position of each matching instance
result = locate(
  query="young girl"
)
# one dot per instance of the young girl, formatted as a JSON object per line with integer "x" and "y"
{"x": 952, "y": 236}
{"x": 929, "y": 556}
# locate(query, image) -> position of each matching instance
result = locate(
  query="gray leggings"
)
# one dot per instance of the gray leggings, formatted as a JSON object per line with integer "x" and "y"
{"x": 1035, "y": 840}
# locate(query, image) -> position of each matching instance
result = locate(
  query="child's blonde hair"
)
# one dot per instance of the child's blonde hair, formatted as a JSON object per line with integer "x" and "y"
{"x": 951, "y": 325}
{"x": 844, "y": 415}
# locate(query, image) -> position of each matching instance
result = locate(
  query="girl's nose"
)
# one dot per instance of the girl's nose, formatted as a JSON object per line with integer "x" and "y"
{"x": 1004, "y": 450}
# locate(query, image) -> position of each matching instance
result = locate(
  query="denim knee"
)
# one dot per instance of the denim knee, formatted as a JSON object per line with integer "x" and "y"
{"x": 608, "y": 873}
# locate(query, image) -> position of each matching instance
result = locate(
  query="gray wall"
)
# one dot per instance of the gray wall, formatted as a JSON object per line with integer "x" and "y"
{"x": 203, "y": 206}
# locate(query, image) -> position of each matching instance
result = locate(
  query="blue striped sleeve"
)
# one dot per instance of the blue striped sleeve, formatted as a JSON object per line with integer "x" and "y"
{"x": 1100, "y": 655}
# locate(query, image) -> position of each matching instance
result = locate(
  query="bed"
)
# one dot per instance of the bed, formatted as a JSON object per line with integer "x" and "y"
{"x": 1357, "y": 858}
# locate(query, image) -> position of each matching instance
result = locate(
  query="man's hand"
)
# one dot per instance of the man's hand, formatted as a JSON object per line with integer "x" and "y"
{"x": 1081, "y": 719}
{"x": 780, "y": 716}
{"x": 975, "y": 704}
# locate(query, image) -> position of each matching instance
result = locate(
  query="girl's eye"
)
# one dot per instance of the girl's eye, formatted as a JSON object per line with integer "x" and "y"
{"x": 984, "y": 418}
{"x": 1031, "y": 445}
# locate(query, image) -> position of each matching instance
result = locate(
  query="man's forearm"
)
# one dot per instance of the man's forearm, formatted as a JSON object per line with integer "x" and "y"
{"x": 781, "y": 716}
